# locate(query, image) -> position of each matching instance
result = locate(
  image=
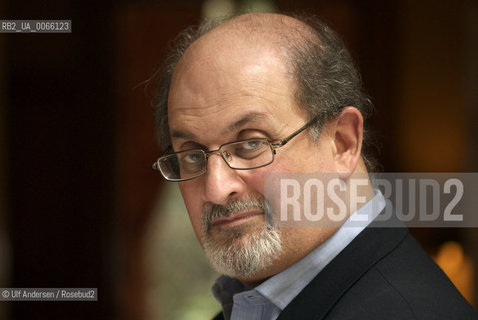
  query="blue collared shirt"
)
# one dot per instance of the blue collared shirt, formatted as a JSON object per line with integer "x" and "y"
{"x": 267, "y": 300}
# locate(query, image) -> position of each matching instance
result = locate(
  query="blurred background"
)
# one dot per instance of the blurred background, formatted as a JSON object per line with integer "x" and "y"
{"x": 79, "y": 203}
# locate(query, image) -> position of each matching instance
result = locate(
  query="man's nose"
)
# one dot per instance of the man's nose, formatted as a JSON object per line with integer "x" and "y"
{"x": 221, "y": 182}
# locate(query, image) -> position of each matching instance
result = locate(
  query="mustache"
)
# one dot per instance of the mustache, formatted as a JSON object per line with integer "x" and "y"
{"x": 214, "y": 211}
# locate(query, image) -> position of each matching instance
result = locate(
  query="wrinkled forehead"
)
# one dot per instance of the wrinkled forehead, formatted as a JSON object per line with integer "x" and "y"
{"x": 226, "y": 74}
{"x": 240, "y": 49}
{"x": 217, "y": 88}
{"x": 218, "y": 67}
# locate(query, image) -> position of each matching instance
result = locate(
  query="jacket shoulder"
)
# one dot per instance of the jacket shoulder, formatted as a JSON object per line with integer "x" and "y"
{"x": 383, "y": 274}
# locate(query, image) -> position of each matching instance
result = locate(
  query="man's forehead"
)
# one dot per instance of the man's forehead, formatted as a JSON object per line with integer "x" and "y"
{"x": 224, "y": 72}
{"x": 210, "y": 76}
{"x": 236, "y": 124}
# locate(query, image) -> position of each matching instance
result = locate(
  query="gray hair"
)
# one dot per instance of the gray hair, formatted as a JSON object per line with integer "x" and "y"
{"x": 326, "y": 76}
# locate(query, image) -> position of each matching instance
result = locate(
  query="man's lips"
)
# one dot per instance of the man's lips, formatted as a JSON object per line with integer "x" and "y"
{"x": 235, "y": 218}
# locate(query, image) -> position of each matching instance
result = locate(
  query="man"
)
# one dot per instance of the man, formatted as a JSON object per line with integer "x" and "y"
{"x": 265, "y": 93}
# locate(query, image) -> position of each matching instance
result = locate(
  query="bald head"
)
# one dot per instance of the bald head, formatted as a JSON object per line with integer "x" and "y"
{"x": 267, "y": 28}
{"x": 266, "y": 34}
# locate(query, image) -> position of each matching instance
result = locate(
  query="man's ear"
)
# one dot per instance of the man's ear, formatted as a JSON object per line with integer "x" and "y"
{"x": 348, "y": 140}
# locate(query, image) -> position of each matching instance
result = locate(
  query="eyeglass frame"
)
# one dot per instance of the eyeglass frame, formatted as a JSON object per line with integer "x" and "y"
{"x": 273, "y": 145}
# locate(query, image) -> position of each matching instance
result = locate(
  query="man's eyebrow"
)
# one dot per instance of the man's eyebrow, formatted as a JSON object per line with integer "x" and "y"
{"x": 250, "y": 117}
{"x": 182, "y": 134}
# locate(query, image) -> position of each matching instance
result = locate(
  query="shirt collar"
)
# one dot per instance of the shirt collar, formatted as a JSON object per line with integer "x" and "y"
{"x": 286, "y": 285}
{"x": 224, "y": 290}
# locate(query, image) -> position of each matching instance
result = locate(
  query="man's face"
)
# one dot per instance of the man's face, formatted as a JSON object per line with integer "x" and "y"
{"x": 225, "y": 90}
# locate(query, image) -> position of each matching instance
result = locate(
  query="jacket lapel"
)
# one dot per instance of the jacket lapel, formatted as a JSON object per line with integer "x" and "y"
{"x": 371, "y": 245}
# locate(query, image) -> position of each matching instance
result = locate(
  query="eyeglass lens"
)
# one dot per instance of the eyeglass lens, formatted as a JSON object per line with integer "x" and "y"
{"x": 245, "y": 154}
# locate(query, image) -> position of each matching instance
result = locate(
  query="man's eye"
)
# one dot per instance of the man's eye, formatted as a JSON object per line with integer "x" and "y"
{"x": 250, "y": 149}
{"x": 251, "y": 145}
{"x": 192, "y": 158}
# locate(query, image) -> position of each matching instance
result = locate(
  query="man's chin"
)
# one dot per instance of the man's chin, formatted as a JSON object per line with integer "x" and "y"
{"x": 241, "y": 252}
{"x": 228, "y": 236}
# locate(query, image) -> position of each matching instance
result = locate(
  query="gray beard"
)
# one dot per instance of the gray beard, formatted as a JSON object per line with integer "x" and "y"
{"x": 240, "y": 251}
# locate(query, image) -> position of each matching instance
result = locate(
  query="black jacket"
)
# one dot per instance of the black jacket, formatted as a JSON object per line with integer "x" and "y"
{"x": 382, "y": 274}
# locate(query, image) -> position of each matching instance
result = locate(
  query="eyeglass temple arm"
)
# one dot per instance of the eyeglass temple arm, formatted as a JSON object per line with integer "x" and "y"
{"x": 167, "y": 150}
{"x": 282, "y": 142}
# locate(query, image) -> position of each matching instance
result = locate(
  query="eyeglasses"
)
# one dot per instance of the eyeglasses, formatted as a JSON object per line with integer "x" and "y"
{"x": 239, "y": 155}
